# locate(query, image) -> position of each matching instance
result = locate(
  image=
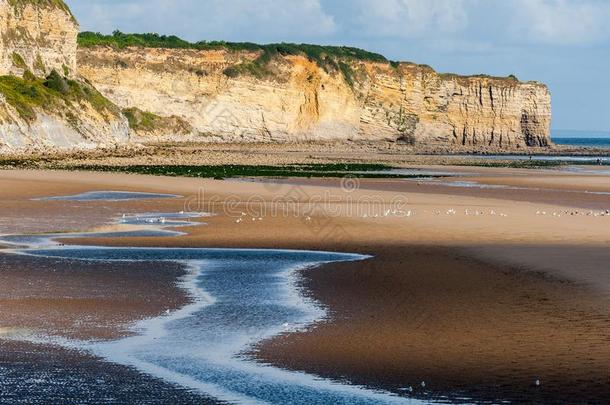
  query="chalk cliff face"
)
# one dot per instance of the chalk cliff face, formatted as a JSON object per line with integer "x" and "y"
{"x": 238, "y": 93}
{"x": 301, "y": 101}
{"x": 37, "y": 35}
{"x": 43, "y": 102}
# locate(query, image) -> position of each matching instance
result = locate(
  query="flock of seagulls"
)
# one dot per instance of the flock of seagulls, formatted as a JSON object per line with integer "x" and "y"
{"x": 449, "y": 212}
{"x": 159, "y": 220}
{"x": 574, "y": 213}
{"x": 244, "y": 216}
{"x": 387, "y": 213}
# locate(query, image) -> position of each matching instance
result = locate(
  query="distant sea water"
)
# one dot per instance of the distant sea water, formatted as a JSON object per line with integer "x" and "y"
{"x": 593, "y": 139}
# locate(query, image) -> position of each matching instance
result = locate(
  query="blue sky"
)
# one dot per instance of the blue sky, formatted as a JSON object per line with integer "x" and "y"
{"x": 563, "y": 43}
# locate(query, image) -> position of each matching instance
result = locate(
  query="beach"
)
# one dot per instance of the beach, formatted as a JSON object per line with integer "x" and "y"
{"x": 491, "y": 289}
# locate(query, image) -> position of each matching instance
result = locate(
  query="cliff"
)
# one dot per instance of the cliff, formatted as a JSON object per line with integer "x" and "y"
{"x": 283, "y": 92}
{"x": 43, "y": 102}
{"x": 37, "y": 35}
{"x": 118, "y": 89}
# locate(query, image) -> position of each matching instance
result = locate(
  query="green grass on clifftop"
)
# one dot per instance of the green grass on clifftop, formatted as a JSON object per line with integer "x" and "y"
{"x": 329, "y": 58}
{"x": 120, "y": 40}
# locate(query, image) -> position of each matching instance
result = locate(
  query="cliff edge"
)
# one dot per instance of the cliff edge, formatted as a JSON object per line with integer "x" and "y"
{"x": 43, "y": 102}
{"x": 61, "y": 89}
{"x": 241, "y": 92}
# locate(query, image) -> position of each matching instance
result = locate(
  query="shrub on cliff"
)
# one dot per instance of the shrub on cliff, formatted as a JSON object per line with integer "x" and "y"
{"x": 55, "y": 94}
{"x": 56, "y": 82}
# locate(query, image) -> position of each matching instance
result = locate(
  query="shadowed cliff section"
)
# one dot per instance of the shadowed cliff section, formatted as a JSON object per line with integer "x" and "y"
{"x": 244, "y": 92}
{"x": 44, "y": 103}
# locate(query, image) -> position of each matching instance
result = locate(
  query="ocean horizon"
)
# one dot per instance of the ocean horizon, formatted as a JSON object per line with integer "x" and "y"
{"x": 597, "y": 139}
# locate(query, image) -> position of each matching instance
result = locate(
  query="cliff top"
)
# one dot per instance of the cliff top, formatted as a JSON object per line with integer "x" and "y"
{"x": 40, "y": 3}
{"x": 20, "y": 4}
{"x": 325, "y": 56}
{"x": 121, "y": 40}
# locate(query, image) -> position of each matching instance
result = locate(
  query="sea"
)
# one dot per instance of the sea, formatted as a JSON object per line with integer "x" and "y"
{"x": 594, "y": 139}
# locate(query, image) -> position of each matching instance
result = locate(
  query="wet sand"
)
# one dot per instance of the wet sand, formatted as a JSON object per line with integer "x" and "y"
{"x": 85, "y": 300}
{"x": 474, "y": 305}
{"x": 465, "y": 327}
{"x": 38, "y": 374}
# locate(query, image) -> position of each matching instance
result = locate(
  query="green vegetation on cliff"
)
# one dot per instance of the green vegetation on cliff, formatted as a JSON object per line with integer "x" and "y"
{"x": 333, "y": 59}
{"x": 315, "y": 52}
{"x": 145, "y": 122}
{"x": 29, "y": 94}
{"x": 330, "y": 58}
{"x": 141, "y": 120}
{"x": 18, "y": 61}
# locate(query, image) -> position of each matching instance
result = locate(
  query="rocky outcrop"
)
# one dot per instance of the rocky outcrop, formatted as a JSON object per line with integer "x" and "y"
{"x": 37, "y": 35}
{"x": 300, "y": 101}
{"x": 43, "y": 102}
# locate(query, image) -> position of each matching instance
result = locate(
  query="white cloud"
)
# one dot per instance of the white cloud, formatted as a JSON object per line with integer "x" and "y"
{"x": 209, "y": 19}
{"x": 568, "y": 22}
{"x": 411, "y": 18}
{"x": 563, "y": 22}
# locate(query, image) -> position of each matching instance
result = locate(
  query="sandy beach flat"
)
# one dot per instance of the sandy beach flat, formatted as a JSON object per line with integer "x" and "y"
{"x": 478, "y": 292}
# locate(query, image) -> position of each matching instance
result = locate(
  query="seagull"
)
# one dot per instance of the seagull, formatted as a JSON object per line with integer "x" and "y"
{"x": 423, "y": 384}
{"x": 537, "y": 383}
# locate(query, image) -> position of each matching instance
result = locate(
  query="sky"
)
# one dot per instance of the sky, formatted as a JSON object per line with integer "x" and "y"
{"x": 563, "y": 43}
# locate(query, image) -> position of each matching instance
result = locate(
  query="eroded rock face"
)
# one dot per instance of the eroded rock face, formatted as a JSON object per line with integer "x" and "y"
{"x": 63, "y": 130}
{"x": 303, "y": 102}
{"x": 37, "y": 35}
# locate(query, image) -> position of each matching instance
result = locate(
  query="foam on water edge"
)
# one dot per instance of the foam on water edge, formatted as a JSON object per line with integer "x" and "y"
{"x": 173, "y": 346}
